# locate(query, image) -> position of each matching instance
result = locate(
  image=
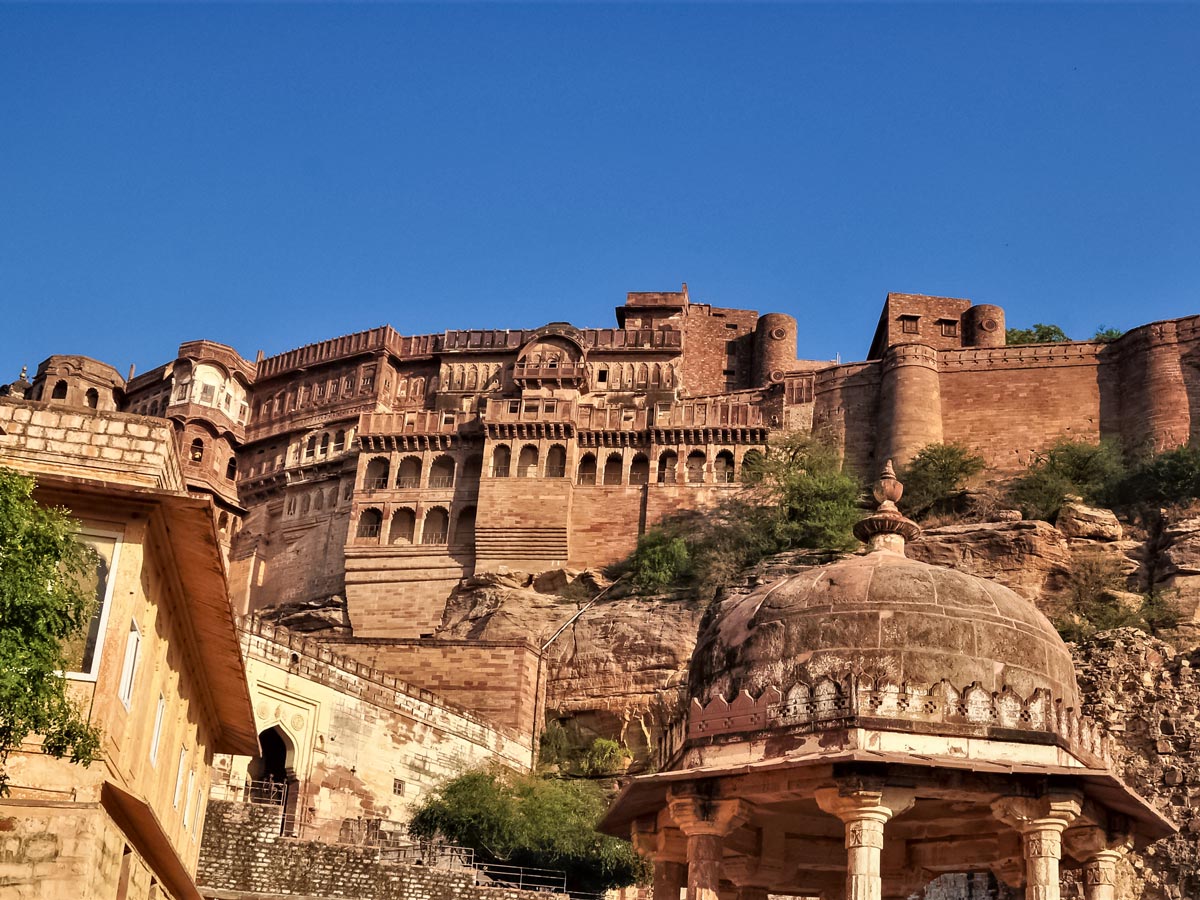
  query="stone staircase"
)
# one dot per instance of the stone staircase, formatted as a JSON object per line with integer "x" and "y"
{"x": 548, "y": 545}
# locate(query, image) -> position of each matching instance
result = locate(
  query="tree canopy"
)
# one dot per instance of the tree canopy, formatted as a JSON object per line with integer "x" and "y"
{"x": 44, "y": 603}
{"x": 529, "y": 820}
{"x": 1038, "y": 334}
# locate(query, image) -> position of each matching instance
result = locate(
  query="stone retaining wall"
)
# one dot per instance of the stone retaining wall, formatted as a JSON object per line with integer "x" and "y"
{"x": 243, "y": 856}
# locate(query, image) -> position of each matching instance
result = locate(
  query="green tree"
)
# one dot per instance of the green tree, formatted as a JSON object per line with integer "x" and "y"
{"x": 796, "y": 497}
{"x": 527, "y": 820}
{"x": 808, "y": 500}
{"x": 1091, "y": 471}
{"x": 1106, "y": 335}
{"x": 44, "y": 604}
{"x": 1038, "y": 334}
{"x": 935, "y": 479}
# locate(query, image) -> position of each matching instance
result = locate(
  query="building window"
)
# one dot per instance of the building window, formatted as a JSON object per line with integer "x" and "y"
{"x": 207, "y": 392}
{"x": 908, "y": 324}
{"x": 398, "y": 787}
{"x": 339, "y": 442}
{"x": 231, "y": 468}
{"x": 310, "y": 449}
{"x": 949, "y": 327}
{"x": 514, "y": 406}
{"x": 191, "y": 793}
{"x": 83, "y": 653}
{"x": 156, "y": 736}
{"x": 60, "y": 391}
{"x": 133, "y": 642}
{"x": 179, "y": 777}
{"x": 92, "y": 398}
{"x": 197, "y": 454}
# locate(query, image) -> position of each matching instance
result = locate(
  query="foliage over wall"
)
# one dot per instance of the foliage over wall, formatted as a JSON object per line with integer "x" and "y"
{"x": 936, "y": 478}
{"x": 529, "y": 820}
{"x": 796, "y": 497}
{"x": 43, "y": 605}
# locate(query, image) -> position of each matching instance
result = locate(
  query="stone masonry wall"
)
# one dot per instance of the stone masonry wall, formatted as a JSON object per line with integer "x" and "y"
{"x": 135, "y": 449}
{"x": 244, "y": 855}
{"x": 497, "y": 680}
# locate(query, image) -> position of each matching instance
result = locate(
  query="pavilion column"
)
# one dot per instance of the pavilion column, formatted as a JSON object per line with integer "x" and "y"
{"x": 705, "y": 821}
{"x": 864, "y": 813}
{"x": 669, "y": 878}
{"x": 656, "y": 845}
{"x": 751, "y": 892}
{"x": 1099, "y": 851}
{"x": 1040, "y": 822}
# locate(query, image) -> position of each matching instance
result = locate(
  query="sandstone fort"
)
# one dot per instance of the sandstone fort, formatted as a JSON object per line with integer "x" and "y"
{"x": 418, "y": 503}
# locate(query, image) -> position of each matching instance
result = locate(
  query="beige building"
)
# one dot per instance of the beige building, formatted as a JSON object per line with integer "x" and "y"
{"x": 160, "y": 670}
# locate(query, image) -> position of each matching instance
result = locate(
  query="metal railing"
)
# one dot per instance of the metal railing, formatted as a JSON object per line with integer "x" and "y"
{"x": 434, "y": 537}
{"x": 266, "y": 793}
{"x": 441, "y": 481}
{"x": 368, "y": 531}
{"x": 523, "y": 878}
{"x": 376, "y": 484}
{"x": 408, "y": 482}
{"x": 555, "y": 471}
{"x": 500, "y": 471}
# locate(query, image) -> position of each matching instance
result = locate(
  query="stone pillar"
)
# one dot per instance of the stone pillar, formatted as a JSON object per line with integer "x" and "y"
{"x": 705, "y": 821}
{"x": 1099, "y": 852}
{"x": 1040, "y": 822}
{"x": 751, "y": 892}
{"x": 669, "y": 879}
{"x": 864, "y": 813}
{"x": 669, "y": 873}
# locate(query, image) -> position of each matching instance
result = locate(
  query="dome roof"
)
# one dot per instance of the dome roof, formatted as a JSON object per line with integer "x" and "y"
{"x": 885, "y": 616}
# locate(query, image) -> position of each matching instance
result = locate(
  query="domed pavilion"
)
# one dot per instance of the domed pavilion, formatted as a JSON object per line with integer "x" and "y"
{"x": 860, "y": 728}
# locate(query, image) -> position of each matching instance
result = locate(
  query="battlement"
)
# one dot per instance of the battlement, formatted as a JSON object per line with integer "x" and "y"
{"x": 861, "y": 701}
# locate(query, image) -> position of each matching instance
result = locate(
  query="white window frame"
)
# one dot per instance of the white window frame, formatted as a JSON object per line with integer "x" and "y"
{"x": 133, "y": 650}
{"x": 179, "y": 777}
{"x": 156, "y": 737}
{"x": 118, "y": 538}
{"x": 187, "y": 805}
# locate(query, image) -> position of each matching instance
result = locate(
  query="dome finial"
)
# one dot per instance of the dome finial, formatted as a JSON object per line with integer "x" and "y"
{"x": 887, "y": 528}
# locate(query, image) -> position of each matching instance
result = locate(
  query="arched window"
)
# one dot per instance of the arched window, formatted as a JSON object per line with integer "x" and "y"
{"x": 464, "y": 528}
{"x": 409, "y": 473}
{"x": 231, "y": 468}
{"x": 369, "y": 524}
{"x": 305, "y": 505}
{"x": 752, "y": 467}
{"x": 639, "y": 470}
{"x": 668, "y": 464}
{"x": 310, "y": 449}
{"x": 441, "y": 473}
{"x": 404, "y": 526}
{"x": 612, "y": 469}
{"x": 437, "y": 523}
{"x": 318, "y": 500}
{"x": 723, "y": 467}
{"x": 377, "y": 474}
{"x": 587, "y": 469}
{"x": 197, "y": 454}
{"x": 223, "y": 522}
{"x": 60, "y": 391}
{"x": 92, "y": 398}
{"x": 291, "y": 506}
{"x": 556, "y": 461}
{"x": 695, "y": 466}
{"x": 339, "y": 441}
{"x": 325, "y": 444}
{"x": 527, "y": 463}
{"x": 501, "y": 459}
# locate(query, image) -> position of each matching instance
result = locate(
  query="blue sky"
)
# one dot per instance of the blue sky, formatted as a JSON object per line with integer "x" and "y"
{"x": 272, "y": 175}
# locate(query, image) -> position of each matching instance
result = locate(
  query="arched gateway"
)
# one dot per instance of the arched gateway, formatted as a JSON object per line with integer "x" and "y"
{"x": 858, "y": 729}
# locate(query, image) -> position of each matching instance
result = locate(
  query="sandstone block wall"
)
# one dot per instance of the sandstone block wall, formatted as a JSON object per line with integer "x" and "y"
{"x": 244, "y": 854}
{"x": 363, "y": 743}
{"x": 497, "y": 679}
{"x": 47, "y": 437}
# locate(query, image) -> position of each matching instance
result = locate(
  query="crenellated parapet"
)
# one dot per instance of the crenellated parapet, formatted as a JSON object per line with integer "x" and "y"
{"x": 859, "y": 700}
